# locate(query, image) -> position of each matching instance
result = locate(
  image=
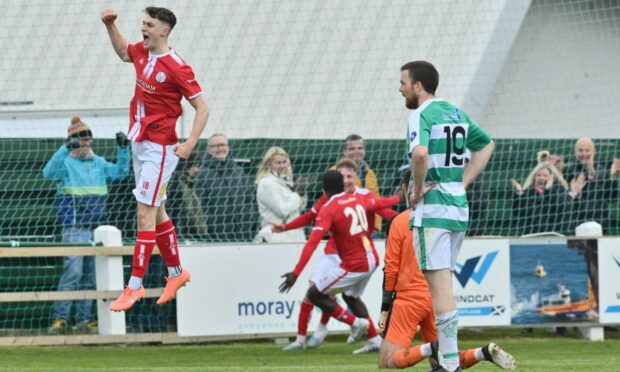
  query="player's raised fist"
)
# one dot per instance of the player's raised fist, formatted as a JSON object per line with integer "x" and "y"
{"x": 108, "y": 16}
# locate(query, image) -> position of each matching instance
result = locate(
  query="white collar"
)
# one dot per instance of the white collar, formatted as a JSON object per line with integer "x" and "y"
{"x": 153, "y": 55}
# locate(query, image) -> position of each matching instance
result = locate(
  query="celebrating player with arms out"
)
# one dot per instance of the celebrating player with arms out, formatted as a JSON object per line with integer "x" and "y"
{"x": 344, "y": 215}
{"x": 331, "y": 260}
{"x": 438, "y": 135}
{"x": 162, "y": 80}
{"x": 407, "y": 304}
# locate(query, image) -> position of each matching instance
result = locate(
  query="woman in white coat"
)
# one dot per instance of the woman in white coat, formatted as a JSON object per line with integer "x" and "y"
{"x": 277, "y": 202}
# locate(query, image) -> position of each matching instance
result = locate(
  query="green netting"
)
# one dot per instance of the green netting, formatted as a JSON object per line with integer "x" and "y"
{"x": 30, "y": 209}
{"x": 492, "y": 197}
{"x": 303, "y": 75}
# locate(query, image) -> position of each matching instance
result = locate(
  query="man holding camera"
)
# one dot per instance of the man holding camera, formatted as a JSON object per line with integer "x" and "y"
{"x": 81, "y": 181}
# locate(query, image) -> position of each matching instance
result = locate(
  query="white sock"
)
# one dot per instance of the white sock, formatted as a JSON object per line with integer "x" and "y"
{"x": 174, "y": 271}
{"x": 426, "y": 350}
{"x": 321, "y": 329}
{"x": 300, "y": 340}
{"x": 478, "y": 354}
{"x": 135, "y": 282}
{"x": 447, "y": 328}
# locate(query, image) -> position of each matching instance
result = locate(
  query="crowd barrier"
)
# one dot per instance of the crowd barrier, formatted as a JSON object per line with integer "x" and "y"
{"x": 234, "y": 289}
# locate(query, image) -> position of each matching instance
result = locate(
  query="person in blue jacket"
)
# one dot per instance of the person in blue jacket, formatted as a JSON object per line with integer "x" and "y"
{"x": 81, "y": 180}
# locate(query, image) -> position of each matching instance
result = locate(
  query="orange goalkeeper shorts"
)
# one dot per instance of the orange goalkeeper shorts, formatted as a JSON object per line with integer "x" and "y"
{"x": 405, "y": 317}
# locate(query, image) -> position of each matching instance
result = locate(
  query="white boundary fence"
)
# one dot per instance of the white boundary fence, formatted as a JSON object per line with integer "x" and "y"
{"x": 233, "y": 293}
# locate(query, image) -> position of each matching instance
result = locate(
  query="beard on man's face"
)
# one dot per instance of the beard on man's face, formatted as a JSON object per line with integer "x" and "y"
{"x": 412, "y": 103}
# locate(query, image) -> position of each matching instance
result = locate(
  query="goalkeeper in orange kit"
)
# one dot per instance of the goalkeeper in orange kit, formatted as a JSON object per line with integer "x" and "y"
{"x": 407, "y": 307}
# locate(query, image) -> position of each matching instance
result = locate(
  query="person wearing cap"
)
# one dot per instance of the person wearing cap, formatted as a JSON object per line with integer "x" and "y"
{"x": 81, "y": 181}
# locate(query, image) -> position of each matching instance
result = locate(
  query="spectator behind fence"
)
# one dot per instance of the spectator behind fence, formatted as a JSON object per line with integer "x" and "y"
{"x": 81, "y": 180}
{"x": 478, "y": 198}
{"x": 544, "y": 202}
{"x": 593, "y": 204}
{"x": 184, "y": 205}
{"x": 278, "y": 203}
{"x": 226, "y": 194}
{"x": 355, "y": 149}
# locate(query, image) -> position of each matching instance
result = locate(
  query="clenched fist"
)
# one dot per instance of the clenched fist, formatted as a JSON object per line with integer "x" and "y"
{"x": 108, "y": 16}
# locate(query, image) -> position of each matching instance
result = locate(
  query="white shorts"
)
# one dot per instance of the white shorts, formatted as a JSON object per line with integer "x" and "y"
{"x": 153, "y": 165}
{"x": 338, "y": 280}
{"x": 327, "y": 263}
{"x": 436, "y": 248}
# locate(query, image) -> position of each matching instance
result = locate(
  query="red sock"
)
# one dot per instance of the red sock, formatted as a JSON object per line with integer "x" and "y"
{"x": 167, "y": 243}
{"x": 343, "y": 315}
{"x": 372, "y": 331}
{"x": 325, "y": 318}
{"x": 305, "y": 313}
{"x": 145, "y": 241}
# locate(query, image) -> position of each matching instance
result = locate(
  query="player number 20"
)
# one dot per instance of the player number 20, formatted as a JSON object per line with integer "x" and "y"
{"x": 359, "y": 222}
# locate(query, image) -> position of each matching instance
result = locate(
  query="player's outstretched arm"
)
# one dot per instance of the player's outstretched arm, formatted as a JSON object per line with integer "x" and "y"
{"x": 184, "y": 150}
{"x": 119, "y": 43}
{"x": 318, "y": 232}
{"x": 387, "y": 202}
{"x": 301, "y": 221}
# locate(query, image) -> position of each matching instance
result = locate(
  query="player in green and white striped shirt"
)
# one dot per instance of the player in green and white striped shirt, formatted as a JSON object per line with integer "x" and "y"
{"x": 438, "y": 135}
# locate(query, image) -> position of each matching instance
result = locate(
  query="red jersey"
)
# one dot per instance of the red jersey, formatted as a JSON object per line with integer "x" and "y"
{"x": 386, "y": 213}
{"x": 344, "y": 216}
{"x": 309, "y": 217}
{"x": 161, "y": 82}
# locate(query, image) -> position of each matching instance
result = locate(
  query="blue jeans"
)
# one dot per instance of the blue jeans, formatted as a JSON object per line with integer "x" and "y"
{"x": 79, "y": 274}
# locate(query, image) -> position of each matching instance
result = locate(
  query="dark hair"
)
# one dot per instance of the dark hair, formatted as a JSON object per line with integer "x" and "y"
{"x": 351, "y": 137}
{"x": 163, "y": 14}
{"x": 425, "y": 73}
{"x": 333, "y": 183}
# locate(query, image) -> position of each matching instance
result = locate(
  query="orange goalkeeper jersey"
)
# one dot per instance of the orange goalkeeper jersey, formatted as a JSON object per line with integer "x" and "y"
{"x": 402, "y": 271}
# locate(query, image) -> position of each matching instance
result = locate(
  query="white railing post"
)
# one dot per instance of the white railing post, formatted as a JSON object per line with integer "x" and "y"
{"x": 592, "y": 230}
{"x": 109, "y": 272}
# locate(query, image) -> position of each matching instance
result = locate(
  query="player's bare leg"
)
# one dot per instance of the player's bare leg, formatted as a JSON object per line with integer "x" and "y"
{"x": 446, "y": 316}
{"x": 360, "y": 310}
{"x": 329, "y": 305}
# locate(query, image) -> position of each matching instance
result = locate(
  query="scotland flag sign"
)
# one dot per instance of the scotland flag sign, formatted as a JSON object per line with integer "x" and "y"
{"x": 481, "y": 283}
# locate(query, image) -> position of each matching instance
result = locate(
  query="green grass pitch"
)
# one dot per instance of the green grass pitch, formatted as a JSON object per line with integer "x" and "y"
{"x": 537, "y": 352}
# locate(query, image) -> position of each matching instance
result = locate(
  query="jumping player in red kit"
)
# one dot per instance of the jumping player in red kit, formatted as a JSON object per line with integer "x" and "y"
{"x": 162, "y": 80}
